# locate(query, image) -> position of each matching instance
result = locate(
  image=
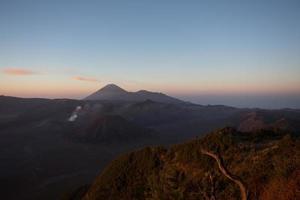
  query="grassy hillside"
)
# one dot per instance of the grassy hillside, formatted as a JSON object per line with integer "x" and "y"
{"x": 268, "y": 163}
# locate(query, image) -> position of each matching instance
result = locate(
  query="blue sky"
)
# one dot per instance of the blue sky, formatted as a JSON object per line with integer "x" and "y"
{"x": 204, "y": 51}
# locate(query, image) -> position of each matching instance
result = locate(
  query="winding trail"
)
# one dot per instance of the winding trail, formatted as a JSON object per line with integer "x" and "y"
{"x": 225, "y": 172}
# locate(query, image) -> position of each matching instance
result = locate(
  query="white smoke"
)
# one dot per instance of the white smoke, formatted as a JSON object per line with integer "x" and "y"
{"x": 74, "y": 115}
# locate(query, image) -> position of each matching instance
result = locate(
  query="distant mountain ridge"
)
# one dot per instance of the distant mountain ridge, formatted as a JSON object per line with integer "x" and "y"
{"x": 107, "y": 129}
{"x": 115, "y": 93}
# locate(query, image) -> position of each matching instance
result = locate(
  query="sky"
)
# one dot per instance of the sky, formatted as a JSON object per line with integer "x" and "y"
{"x": 239, "y": 53}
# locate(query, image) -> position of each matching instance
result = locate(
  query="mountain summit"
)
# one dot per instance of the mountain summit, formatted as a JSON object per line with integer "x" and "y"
{"x": 116, "y": 93}
{"x": 112, "y": 88}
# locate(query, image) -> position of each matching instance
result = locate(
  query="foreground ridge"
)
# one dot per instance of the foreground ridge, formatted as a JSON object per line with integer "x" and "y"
{"x": 263, "y": 164}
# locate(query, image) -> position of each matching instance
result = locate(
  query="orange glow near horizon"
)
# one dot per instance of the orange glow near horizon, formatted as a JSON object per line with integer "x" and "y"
{"x": 79, "y": 89}
{"x": 17, "y": 82}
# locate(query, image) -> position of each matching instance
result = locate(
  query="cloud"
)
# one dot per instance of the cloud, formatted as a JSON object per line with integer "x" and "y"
{"x": 18, "y": 72}
{"x": 80, "y": 78}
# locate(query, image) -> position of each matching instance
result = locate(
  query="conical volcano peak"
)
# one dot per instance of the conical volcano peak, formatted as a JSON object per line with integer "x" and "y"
{"x": 115, "y": 93}
{"x": 108, "y": 92}
{"x": 112, "y": 87}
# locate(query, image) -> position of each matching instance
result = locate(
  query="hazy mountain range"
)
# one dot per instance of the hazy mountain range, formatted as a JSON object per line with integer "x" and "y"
{"x": 52, "y": 147}
{"x": 115, "y": 93}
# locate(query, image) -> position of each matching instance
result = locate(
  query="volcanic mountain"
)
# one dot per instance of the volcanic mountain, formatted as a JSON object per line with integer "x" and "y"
{"x": 109, "y": 129}
{"x": 113, "y": 92}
